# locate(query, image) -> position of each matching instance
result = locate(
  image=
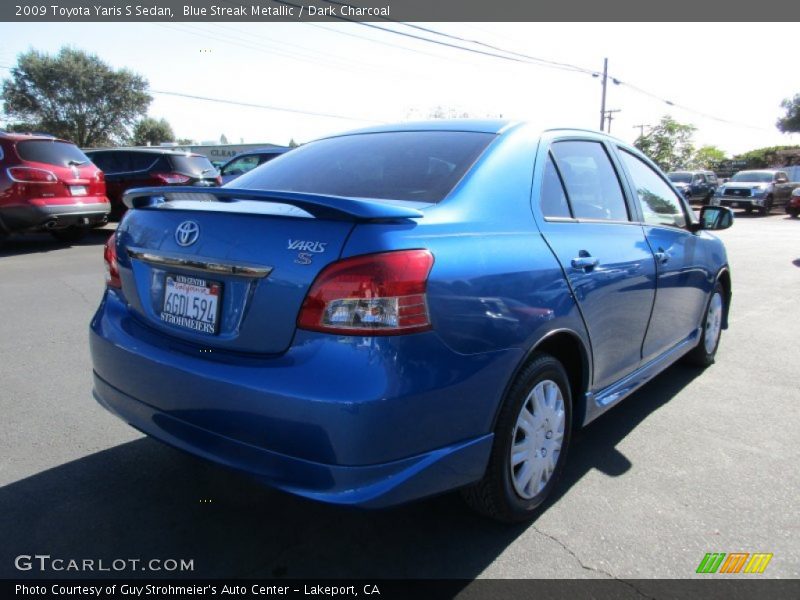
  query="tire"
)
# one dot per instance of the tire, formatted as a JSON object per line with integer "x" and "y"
{"x": 507, "y": 491}
{"x": 70, "y": 234}
{"x": 793, "y": 212}
{"x": 748, "y": 210}
{"x": 704, "y": 353}
{"x": 767, "y": 208}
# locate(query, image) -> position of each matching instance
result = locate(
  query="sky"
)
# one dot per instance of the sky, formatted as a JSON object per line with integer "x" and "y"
{"x": 359, "y": 76}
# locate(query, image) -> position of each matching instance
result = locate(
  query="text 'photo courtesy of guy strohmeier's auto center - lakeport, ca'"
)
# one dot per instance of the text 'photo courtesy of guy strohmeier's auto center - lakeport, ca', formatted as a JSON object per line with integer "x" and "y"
{"x": 399, "y": 299}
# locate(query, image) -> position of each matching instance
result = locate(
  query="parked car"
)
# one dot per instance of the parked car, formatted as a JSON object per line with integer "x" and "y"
{"x": 762, "y": 190}
{"x": 48, "y": 184}
{"x": 793, "y": 206}
{"x": 400, "y": 311}
{"x": 126, "y": 168}
{"x": 247, "y": 161}
{"x": 695, "y": 185}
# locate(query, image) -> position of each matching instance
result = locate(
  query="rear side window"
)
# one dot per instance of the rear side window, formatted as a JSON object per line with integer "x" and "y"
{"x": 141, "y": 161}
{"x": 50, "y": 152}
{"x": 554, "y": 200}
{"x": 592, "y": 184}
{"x": 193, "y": 165}
{"x": 407, "y": 165}
{"x": 111, "y": 162}
{"x": 660, "y": 205}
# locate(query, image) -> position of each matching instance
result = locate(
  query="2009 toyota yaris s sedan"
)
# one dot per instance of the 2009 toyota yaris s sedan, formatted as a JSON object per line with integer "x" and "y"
{"x": 391, "y": 313}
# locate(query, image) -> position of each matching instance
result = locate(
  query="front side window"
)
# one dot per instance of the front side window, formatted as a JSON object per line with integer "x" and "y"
{"x": 592, "y": 184}
{"x": 660, "y": 205}
{"x": 241, "y": 165}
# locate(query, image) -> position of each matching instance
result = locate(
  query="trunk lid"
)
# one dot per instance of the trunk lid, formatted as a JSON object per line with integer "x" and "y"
{"x": 253, "y": 260}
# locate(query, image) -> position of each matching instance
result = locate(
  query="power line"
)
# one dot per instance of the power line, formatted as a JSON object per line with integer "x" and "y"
{"x": 264, "y": 106}
{"x": 525, "y": 59}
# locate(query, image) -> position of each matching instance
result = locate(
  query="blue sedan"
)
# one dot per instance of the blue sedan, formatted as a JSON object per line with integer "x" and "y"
{"x": 400, "y": 311}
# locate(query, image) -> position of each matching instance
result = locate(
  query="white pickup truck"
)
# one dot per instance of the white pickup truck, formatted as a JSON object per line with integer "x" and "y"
{"x": 762, "y": 190}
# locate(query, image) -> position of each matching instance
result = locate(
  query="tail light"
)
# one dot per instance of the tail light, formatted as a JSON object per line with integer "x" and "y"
{"x": 100, "y": 176}
{"x": 375, "y": 294}
{"x": 171, "y": 178}
{"x": 110, "y": 258}
{"x": 31, "y": 175}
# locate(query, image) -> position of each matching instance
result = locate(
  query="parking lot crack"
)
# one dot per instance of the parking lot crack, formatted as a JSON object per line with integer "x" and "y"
{"x": 586, "y": 567}
{"x": 79, "y": 292}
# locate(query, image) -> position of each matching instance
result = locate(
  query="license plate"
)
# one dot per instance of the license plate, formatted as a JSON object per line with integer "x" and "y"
{"x": 191, "y": 303}
{"x": 78, "y": 190}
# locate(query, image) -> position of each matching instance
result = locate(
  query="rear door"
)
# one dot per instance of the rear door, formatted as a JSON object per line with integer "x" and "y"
{"x": 586, "y": 221}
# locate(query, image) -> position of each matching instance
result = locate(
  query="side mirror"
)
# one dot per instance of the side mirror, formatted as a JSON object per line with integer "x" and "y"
{"x": 714, "y": 218}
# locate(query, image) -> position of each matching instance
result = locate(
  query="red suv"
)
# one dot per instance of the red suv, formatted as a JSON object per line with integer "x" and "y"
{"x": 131, "y": 168}
{"x": 47, "y": 184}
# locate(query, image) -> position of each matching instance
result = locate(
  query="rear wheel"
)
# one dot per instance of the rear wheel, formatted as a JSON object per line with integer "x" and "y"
{"x": 531, "y": 439}
{"x": 70, "y": 234}
{"x": 767, "y": 208}
{"x": 793, "y": 212}
{"x": 705, "y": 352}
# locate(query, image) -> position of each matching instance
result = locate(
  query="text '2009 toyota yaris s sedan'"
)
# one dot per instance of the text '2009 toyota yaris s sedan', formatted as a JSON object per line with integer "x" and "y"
{"x": 392, "y": 313}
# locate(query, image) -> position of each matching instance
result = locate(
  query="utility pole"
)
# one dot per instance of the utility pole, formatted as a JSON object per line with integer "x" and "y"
{"x": 609, "y": 118}
{"x": 603, "y": 100}
{"x": 641, "y": 127}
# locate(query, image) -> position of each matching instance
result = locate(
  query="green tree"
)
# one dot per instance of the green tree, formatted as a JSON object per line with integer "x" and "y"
{"x": 74, "y": 95}
{"x": 706, "y": 157}
{"x": 223, "y": 139}
{"x": 293, "y": 144}
{"x": 790, "y": 122}
{"x": 761, "y": 158}
{"x": 668, "y": 144}
{"x": 152, "y": 132}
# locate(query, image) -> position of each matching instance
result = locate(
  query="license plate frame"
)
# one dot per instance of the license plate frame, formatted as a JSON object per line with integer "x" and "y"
{"x": 79, "y": 190}
{"x": 182, "y": 303}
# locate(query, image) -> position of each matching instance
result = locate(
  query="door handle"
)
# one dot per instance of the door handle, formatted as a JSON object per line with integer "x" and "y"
{"x": 585, "y": 263}
{"x": 661, "y": 256}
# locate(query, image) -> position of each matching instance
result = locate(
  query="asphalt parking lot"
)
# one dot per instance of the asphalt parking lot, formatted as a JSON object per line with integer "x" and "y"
{"x": 695, "y": 462}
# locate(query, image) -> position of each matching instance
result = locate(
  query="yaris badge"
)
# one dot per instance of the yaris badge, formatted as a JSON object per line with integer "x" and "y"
{"x": 187, "y": 233}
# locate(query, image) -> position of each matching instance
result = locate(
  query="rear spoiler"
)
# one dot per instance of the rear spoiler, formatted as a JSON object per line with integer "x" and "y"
{"x": 322, "y": 206}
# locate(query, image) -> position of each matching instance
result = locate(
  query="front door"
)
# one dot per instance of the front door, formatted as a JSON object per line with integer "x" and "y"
{"x": 683, "y": 283}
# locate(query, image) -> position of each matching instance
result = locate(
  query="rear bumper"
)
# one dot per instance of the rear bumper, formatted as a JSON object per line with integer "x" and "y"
{"x": 371, "y": 486}
{"x": 55, "y": 216}
{"x": 364, "y": 421}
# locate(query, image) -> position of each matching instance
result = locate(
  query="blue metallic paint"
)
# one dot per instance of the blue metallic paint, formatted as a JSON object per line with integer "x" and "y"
{"x": 375, "y": 421}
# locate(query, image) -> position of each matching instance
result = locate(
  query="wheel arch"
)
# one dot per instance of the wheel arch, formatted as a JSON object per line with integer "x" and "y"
{"x": 570, "y": 350}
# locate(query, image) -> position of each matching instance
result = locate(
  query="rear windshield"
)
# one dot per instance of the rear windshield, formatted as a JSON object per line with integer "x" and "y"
{"x": 193, "y": 165}
{"x": 62, "y": 154}
{"x": 680, "y": 177}
{"x": 407, "y": 165}
{"x": 758, "y": 176}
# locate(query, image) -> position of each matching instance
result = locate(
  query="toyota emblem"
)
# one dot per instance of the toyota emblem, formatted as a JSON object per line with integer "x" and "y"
{"x": 187, "y": 233}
